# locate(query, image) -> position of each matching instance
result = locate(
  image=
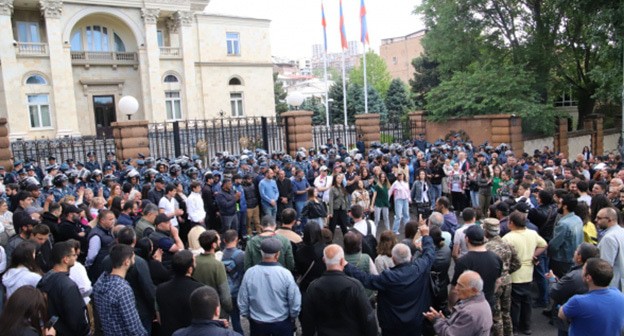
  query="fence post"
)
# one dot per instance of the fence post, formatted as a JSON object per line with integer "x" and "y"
{"x": 131, "y": 138}
{"x": 369, "y": 126}
{"x": 5, "y": 145}
{"x": 561, "y": 136}
{"x": 417, "y": 123}
{"x": 176, "y": 139}
{"x": 265, "y": 133}
{"x": 298, "y": 130}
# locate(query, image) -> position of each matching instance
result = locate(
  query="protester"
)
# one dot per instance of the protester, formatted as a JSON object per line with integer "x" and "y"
{"x": 205, "y": 311}
{"x": 25, "y": 314}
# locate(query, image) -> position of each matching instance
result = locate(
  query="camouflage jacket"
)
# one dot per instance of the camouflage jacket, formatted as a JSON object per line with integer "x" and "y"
{"x": 508, "y": 255}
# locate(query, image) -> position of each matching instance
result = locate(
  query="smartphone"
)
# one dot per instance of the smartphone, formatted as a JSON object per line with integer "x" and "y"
{"x": 51, "y": 322}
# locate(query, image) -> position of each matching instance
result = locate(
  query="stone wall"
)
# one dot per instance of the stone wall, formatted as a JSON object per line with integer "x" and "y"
{"x": 530, "y": 145}
{"x": 577, "y": 140}
{"x": 299, "y": 130}
{"x": 131, "y": 138}
{"x": 610, "y": 140}
{"x": 5, "y": 146}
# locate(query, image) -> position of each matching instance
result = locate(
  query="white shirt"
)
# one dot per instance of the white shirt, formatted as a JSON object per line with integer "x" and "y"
{"x": 170, "y": 208}
{"x": 320, "y": 182}
{"x": 362, "y": 227}
{"x": 459, "y": 240}
{"x": 195, "y": 207}
{"x": 78, "y": 274}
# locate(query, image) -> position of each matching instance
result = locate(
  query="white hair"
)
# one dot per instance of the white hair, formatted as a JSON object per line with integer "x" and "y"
{"x": 268, "y": 255}
{"x": 475, "y": 281}
{"x": 401, "y": 254}
{"x": 436, "y": 219}
{"x": 337, "y": 257}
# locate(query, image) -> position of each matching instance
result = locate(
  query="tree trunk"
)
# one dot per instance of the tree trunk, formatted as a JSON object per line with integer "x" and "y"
{"x": 585, "y": 105}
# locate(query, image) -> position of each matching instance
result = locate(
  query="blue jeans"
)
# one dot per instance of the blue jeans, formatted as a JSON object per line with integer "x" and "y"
{"x": 229, "y": 222}
{"x": 401, "y": 213}
{"x": 474, "y": 199}
{"x": 267, "y": 209}
{"x": 299, "y": 207}
{"x": 235, "y": 317}
{"x": 539, "y": 277}
{"x": 436, "y": 192}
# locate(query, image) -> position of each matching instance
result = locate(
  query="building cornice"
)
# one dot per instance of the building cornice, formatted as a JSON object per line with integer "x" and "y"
{"x": 236, "y": 64}
{"x": 6, "y": 7}
{"x": 52, "y": 9}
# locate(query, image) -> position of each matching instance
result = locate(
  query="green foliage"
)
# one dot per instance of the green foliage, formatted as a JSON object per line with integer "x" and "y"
{"x": 377, "y": 73}
{"x": 490, "y": 89}
{"x": 315, "y": 105}
{"x": 332, "y": 73}
{"x": 355, "y": 102}
{"x": 398, "y": 102}
{"x": 426, "y": 77}
{"x": 386, "y": 138}
{"x": 280, "y": 96}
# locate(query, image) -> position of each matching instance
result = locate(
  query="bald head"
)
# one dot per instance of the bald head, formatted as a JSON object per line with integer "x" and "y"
{"x": 607, "y": 217}
{"x": 469, "y": 284}
{"x": 333, "y": 256}
{"x": 616, "y": 182}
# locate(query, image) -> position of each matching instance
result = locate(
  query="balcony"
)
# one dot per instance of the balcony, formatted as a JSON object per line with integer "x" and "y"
{"x": 31, "y": 49}
{"x": 170, "y": 52}
{"x": 88, "y": 58}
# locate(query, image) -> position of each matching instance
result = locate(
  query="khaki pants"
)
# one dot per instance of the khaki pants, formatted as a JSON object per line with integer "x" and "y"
{"x": 253, "y": 220}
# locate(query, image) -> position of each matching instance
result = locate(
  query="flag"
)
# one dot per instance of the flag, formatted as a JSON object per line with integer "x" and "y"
{"x": 364, "y": 37}
{"x": 343, "y": 33}
{"x": 324, "y": 23}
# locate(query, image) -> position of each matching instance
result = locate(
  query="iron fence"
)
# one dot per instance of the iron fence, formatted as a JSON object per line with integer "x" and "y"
{"x": 62, "y": 148}
{"x": 207, "y": 137}
{"x": 395, "y": 130}
{"x": 338, "y": 133}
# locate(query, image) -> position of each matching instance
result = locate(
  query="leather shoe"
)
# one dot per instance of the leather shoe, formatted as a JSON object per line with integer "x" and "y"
{"x": 526, "y": 332}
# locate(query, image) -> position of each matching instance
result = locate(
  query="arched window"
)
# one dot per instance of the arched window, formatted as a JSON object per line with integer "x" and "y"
{"x": 96, "y": 38}
{"x": 235, "y": 81}
{"x": 37, "y": 80}
{"x": 171, "y": 79}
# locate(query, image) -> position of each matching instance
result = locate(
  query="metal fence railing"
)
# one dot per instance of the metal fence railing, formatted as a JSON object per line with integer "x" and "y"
{"x": 62, "y": 148}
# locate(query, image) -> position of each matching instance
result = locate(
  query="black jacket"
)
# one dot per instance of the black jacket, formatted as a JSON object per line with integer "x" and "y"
{"x": 206, "y": 327}
{"x": 336, "y": 304}
{"x": 172, "y": 298}
{"x": 251, "y": 196}
{"x": 52, "y": 222}
{"x": 65, "y": 301}
{"x": 544, "y": 217}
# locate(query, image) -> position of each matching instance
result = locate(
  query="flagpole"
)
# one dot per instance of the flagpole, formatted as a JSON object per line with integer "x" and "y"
{"x": 344, "y": 94}
{"x": 365, "y": 83}
{"x": 325, "y": 65}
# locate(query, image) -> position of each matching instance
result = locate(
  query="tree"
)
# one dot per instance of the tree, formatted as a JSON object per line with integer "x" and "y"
{"x": 426, "y": 77}
{"x": 315, "y": 105}
{"x": 377, "y": 74}
{"x": 280, "y": 96}
{"x": 491, "y": 89}
{"x": 560, "y": 44}
{"x": 397, "y": 100}
{"x": 332, "y": 73}
{"x": 355, "y": 102}
{"x": 335, "y": 102}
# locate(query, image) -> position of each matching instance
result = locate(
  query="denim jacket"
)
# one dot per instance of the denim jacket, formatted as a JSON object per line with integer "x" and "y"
{"x": 567, "y": 236}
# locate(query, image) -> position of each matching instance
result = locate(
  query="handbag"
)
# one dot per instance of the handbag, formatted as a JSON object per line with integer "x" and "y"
{"x": 301, "y": 277}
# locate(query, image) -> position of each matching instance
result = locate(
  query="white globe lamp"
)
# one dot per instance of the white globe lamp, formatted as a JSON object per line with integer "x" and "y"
{"x": 128, "y": 105}
{"x": 295, "y": 99}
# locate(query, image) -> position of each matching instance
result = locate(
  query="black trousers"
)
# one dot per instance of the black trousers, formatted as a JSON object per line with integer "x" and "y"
{"x": 521, "y": 306}
{"x": 340, "y": 217}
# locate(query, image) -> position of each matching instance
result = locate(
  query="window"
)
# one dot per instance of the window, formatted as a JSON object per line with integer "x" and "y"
{"x": 96, "y": 38}
{"x": 171, "y": 79}
{"x": 236, "y": 100}
{"x": 161, "y": 38}
{"x": 235, "y": 81}
{"x": 39, "y": 110}
{"x": 233, "y": 43}
{"x": 173, "y": 105}
{"x": 28, "y": 32}
{"x": 37, "y": 80}
{"x": 394, "y": 60}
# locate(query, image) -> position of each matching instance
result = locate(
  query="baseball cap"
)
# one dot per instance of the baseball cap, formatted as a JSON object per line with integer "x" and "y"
{"x": 271, "y": 245}
{"x": 523, "y": 207}
{"x": 475, "y": 235}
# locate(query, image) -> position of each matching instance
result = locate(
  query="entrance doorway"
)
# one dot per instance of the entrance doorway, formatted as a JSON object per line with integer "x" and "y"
{"x": 104, "y": 108}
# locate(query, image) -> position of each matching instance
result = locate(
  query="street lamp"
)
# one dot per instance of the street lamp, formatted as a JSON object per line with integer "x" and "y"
{"x": 295, "y": 99}
{"x": 128, "y": 105}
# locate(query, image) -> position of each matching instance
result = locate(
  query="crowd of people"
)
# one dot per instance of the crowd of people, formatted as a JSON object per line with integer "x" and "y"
{"x": 174, "y": 247}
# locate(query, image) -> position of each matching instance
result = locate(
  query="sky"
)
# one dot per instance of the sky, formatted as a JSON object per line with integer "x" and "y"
{"x": 296, "y": 24}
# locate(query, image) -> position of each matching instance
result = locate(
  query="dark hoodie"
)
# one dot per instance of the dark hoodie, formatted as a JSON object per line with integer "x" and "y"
{"x": 65, "y": 301}
{"x": 52, "y": 222}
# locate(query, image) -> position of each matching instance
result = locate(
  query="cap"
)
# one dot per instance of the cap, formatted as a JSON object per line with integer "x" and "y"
{"x": 271, "y": 245}
{"x": 491, "y": 226}
{"x": 503, "y": 207}
{"x": 523, "y": 207}
{"x": 51, "y": 158}
{"x": 161, "y": 218}
{"x": 323, "y": 168}
{"x": 17, "y": 163}
{"x": 475, "y": 235}
{"x": 68, "y": 208}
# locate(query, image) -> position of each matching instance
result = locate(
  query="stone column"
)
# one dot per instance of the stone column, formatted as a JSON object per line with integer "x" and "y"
{"x": 64, "y": 111}
{"x": 561, "y": 136}
{"x": 418, "y": 123}
{"x": 130, "y": 138}
{"x": 13, "y": 104}
{"x": 298, "y": 130}
{"x": 5, "y": 146}
{"x": 368, "y": 126}
{"x": 506, "y": 128}
{"x": 183, "y": 22}
{"x": 153, "y": 94}
{"x": 595, "y": 123}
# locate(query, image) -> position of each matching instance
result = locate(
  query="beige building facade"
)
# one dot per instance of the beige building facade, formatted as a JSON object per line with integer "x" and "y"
{"x": 64, "y": 65}
{"x": 398, "y": 52}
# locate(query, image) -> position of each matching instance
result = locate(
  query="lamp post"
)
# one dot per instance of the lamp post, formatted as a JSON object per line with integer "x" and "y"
{"x": 128, "y": 105}
{"x": 295, "y": 99}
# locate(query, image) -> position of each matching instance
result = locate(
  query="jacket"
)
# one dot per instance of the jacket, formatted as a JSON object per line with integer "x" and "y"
{"x": 567, "y": 236}
{"x": 472, "y": 316}
{"x": 337, "y": 200}
{"x": 336, "y": 296}
{"x": 172, "y": 299}
{"x": 403, "y": 292}
{"x": 250, "y": 195}
{"x": 314, "y": 210}
{"x": 15, "y": 278}
{"x": 544, "y": 217}
{"x": 205, "y": 327}
{"x": 568, "y": 286}
{"x": 417, "y": 191}
{"x": 226, "y": 203}
{"x": 254, "y": 257}
{"x": 65, "y": 301}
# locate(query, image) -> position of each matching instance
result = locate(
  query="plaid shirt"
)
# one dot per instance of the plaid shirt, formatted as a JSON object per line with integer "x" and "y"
{"x": 116, "y": 307}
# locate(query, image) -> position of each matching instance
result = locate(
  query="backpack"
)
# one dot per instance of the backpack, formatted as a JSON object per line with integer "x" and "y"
{"x": 233, "y": 276}
{"x": 369, "y": 242}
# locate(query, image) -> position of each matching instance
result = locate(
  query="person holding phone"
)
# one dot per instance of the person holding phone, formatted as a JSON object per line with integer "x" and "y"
{"x": 25, "y": 314}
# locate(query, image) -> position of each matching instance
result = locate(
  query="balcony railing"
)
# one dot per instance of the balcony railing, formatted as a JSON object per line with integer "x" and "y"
{"x": 32, "y": 49}
{"x": 170, "y": 52}
{"x": 104, "y": 58}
